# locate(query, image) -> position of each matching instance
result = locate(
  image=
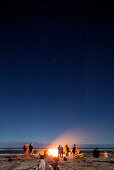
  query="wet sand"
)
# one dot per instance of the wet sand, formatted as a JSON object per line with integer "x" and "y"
{"x": 87, "y": 162}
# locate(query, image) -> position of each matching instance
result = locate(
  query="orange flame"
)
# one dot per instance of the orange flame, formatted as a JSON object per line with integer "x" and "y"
{"x": 53, "y": 152}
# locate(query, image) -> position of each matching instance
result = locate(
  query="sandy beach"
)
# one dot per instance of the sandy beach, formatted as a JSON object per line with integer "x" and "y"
{"x": 87, "y": 162}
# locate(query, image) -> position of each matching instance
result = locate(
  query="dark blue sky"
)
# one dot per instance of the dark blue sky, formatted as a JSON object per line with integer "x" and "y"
{"x": 56, "y": 70}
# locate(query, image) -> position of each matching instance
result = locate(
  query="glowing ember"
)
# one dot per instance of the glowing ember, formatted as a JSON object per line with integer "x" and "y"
{"x": 53, "y": 152}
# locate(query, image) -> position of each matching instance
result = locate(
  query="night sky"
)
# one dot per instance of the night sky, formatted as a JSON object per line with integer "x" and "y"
{"x": 56, "y": 70}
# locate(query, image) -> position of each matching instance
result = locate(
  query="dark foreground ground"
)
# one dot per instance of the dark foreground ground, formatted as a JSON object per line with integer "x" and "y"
{"x": 21, "y": 162}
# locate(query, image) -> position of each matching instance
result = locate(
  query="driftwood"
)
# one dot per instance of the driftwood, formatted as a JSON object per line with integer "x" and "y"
{"x": 21, "y": 162}
{"x": 41, "y": 164}
{"x": 97, "y": 160}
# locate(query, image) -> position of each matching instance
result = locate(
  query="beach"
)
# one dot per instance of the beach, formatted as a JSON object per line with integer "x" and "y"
{"x": 87, "y": 162}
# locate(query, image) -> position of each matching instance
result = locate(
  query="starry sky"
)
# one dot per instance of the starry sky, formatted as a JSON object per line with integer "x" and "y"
{"x": 56, "y": 70}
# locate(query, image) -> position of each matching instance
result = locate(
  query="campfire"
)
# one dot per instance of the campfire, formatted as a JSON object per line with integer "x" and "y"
{"x": 53, "y": 152}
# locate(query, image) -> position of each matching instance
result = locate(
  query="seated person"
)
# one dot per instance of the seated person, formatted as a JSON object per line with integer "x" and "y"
{"x": 105, "y": 154}
{"x": 96, "y": 153}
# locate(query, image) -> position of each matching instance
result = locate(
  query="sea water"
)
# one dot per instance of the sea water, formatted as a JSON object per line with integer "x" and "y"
{"x": 9, "y": 151}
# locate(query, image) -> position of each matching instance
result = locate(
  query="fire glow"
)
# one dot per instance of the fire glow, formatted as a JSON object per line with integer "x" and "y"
{"x": 53, "y": 152}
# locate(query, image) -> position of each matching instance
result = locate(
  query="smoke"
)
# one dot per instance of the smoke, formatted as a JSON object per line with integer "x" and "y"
{"x": 81, "y": 136}
{"x": 69, "y": 138}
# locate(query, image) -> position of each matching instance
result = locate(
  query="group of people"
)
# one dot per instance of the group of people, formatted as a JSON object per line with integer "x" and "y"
{"x": 74, "y": 151}
{"x": 96, "y": 153}
{"x": 28, "y": 149}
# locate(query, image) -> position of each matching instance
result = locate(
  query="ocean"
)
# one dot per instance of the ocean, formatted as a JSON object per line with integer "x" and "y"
{"x": 10, "y": 151}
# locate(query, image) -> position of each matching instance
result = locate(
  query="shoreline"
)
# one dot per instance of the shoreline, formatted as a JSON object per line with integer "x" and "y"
{"x": 36, "y": 151}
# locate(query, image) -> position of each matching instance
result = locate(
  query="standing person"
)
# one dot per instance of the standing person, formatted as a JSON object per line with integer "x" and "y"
{"x": 45, "y": 154}
{"x": 31, "y": 149}
{"x": 66, "y": 150}
{"x": 59, "y": 151}
{"x": 62, "y": 151}
{"x": 74, "y": 149}
{"x": 26, "y": 149}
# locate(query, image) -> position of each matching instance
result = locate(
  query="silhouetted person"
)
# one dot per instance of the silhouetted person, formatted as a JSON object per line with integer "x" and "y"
{"x": 74, "y": 149}
{"x": 26, "y": 149}
{"x": 96, "y": 153}
{"x": 62, "y": 151}
{"x": 45, "y": 154}
{"x": 31, "y": 149}
{"x": 66, "y": 150}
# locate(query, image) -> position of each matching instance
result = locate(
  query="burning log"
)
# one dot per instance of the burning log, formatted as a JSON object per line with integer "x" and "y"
{"x": 51, "y": 157}
{"x": 52, "y": 163}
